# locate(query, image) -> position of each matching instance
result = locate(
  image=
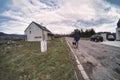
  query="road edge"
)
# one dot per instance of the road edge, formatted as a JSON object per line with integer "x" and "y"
{"x": 79, "y": 65}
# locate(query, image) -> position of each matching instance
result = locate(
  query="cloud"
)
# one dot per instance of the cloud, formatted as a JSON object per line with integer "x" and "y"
{"x": 60, "y": 16}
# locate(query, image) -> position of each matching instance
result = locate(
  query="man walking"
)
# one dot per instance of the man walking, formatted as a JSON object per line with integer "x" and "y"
{"x": 76, "y": 37}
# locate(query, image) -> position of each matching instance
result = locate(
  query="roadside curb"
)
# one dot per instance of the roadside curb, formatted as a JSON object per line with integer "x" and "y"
{"x": 80, "y": 67}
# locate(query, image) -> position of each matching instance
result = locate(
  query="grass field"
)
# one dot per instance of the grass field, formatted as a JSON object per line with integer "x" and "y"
{"x": 24, "y": 61}
{"x": 82, "y": 38}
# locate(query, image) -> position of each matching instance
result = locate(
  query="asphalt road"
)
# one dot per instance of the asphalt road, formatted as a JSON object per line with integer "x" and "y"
{"x": 101, "y": 62}
{"x": 112, "y": 43}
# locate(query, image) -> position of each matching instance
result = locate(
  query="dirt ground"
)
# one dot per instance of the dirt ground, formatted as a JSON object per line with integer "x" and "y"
{"x": 101, "y": 62}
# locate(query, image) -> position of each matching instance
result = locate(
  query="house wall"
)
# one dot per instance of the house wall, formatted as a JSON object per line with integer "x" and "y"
{"x": 45, "y": 34}
{"x": 104, "y": 35}
{"x": 46, "y": 37}
{"x": 117, "y": 33}
{"x": 34, "y": 33}
{"x": 49, "y": 37}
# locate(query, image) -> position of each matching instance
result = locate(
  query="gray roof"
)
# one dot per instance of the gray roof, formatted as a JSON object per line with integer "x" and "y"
{"x": 40, "y": 26}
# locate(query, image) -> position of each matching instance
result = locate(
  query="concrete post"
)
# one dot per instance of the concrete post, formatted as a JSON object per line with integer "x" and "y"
{"x": 43, "y": 43}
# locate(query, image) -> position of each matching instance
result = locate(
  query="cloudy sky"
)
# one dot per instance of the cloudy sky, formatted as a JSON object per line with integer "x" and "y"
{"x": 59, "y": 16}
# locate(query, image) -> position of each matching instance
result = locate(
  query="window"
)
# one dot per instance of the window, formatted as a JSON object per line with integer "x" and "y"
{"x": 37, "y": 36}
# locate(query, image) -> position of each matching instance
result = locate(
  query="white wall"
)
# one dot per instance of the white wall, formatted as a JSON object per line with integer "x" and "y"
{"x": 117, "y": 33}
{"x": 104, "y": 35}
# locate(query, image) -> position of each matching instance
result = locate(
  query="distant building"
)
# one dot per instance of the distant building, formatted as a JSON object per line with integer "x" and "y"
{"x": 104, "y": 35}
{"x": 118, "y": 31}
{"x": 37, "y": 32}
{"x": 107, "y": 35}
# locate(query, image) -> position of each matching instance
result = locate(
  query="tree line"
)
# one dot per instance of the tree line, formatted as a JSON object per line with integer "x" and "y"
{"x": 85, "y": 33}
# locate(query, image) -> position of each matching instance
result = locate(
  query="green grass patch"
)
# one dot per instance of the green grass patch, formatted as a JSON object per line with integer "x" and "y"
{"x": 83, "y": 38}
{"x": 24, "y": 61}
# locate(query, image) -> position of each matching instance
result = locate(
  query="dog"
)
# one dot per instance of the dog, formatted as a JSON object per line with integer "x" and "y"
{"x": 74, "y": 44}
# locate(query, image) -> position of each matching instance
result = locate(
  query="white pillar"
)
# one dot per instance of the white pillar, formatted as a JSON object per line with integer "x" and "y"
{"x": 43, "y": 45}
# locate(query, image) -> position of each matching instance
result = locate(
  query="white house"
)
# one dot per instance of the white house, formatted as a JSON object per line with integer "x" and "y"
{"x": 37, "y": 32}
{"x": 118, "y": 31}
